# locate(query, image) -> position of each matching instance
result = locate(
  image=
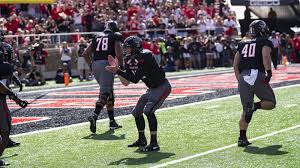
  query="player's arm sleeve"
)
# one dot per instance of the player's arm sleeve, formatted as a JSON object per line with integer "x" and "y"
{"x": 236, "y": 62}
{"x": 134, "y": 78}
{"x": 267, "y": 51}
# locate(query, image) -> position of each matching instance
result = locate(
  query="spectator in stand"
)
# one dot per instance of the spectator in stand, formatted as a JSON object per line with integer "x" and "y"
{"x": 227, "y": 56}
{"x": 185, "y": 53}
{"x": 169, "y": 60}
{"x": 82, "y": 65}
{"x": 194, "y": 50}
{"x": 52, "y": 28}
{"x": 65, "y": 52}
{"x": 219, "y": 27}
{"x": 210, "y": 26}
{"x": 181, "y": 25}
{"x": 27, "y": 60}
{"x": 39, "y": 56}
{"x": 155, "y": 49}
{"x": 296, "y": 41}
{"x": 211, "y": 55}
{"x": 230, "y": 26}
{"x": 290, "y": 48}
{"x": 78, "y": 19}
{"x": 219, "y": 51}
{"x": 276, "y": 44}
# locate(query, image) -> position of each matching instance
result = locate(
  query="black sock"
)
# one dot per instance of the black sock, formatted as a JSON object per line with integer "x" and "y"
{"x": 257, "y": 105}
{"x": 153, "y": 139}
{"x": 111, "y": 115}
{"x": 140, "y": 124}
{"x": 98, "y": 109}
{"x": 243, "y": 134}
{"x": 142, "y": 136}
{"x": 152, "y": 122}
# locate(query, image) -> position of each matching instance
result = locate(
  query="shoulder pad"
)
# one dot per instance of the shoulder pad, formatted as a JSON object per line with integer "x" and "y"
{"x": 146, "y": 53}
{"x": 118, "y": 36}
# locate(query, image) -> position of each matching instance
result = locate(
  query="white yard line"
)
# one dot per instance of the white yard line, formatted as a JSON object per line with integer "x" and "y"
{"x": 223, "y": 148}
{"x": 126, "y": 116}
{"x": 290, "y": 105}
{"x": 211, "y": 107}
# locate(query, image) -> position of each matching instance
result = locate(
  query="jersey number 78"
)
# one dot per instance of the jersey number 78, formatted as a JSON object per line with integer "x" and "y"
{"x": 103, "y": 43}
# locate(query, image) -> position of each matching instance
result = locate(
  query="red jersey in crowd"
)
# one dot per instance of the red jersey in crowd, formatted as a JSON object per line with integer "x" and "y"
{"x": 54, "y": 13}
{"x": 14, "y": 25}
{"x": 147, "y": 45}
{"x": 297, "y": 43}
{"x": 155, "y": 49}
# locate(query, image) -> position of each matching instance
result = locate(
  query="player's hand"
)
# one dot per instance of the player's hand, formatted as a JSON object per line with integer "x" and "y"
{"x": 113, "y": 61}
{"x": 113, "y": 64}
{"x": 22, "y": 103}
{"x": 269, "y": 76}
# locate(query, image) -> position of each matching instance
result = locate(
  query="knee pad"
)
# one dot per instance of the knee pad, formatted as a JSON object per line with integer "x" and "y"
{"x": 136, "y": 114}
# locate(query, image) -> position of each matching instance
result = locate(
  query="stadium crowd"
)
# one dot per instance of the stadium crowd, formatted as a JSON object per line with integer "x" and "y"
{"x": 185, "y": 34}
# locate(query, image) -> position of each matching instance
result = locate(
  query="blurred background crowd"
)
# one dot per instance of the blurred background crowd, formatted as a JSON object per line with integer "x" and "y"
{"x": 182, "y": 34}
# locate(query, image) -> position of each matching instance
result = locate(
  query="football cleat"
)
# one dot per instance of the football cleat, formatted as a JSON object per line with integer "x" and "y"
{"x": 151, "y": 148}
{"x": 93, "y": 121}
{"x": 114, "y": 125}
{"x": 11, "y": 143}
{"x": 138, "y": 143}
{"x": 2, "y": 163}
{"x": 243, "y": 142}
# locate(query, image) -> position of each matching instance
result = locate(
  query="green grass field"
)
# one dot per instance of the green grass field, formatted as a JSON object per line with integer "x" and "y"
{"x": 183, "y": 132}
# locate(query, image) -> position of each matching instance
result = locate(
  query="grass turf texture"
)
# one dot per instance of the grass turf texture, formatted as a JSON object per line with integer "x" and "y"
{"x": 183, "y": 132}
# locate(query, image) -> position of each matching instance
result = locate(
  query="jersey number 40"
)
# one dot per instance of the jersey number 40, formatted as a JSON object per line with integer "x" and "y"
{"x": 102, "y": 44}
{"x": 249, "y": 50}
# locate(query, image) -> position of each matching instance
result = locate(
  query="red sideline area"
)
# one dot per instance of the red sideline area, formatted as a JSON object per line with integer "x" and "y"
{"x": 128, "y": 96}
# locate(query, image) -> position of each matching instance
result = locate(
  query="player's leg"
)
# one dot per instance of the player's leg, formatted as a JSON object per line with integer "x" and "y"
{"x": 4, "y": 128}
{"x": 104, "y": 93}
{"x": 265, "y": 93}
{"x": 246, "y": 96}
{"x": 110, "y": 111}
{"x": 156, "y": 99}
{"x": 106, "y": 86}
{"x": 137, "y": 112}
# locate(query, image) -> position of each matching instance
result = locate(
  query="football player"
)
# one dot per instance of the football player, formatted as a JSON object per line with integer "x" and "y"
{"x": 7, "y": 55}
{"x": 5, "y": 116}
{"x": 139, "y": 65}
{"x": 103, "y": 44}
{"x": 252, "y": 67}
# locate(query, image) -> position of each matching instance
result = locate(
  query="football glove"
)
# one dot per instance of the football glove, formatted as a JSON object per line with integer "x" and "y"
{"x": 269, "y": 76}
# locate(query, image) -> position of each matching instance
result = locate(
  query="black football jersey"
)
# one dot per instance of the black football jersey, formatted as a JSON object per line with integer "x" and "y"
{"x": 251, "y": 53}
{"x": 104, "y": 44}
{"x": 143, "y": 67}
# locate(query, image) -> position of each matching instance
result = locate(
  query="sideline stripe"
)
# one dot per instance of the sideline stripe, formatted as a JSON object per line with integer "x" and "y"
{"x": 118, "y": 82}
{"x": 129, "y": 115}
{"x": 223, "y": 148}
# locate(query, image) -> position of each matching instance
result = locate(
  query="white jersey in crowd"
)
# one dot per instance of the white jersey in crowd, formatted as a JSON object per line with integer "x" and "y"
{"x": 229, "y": 23}
{"x": 66, "y": 56}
